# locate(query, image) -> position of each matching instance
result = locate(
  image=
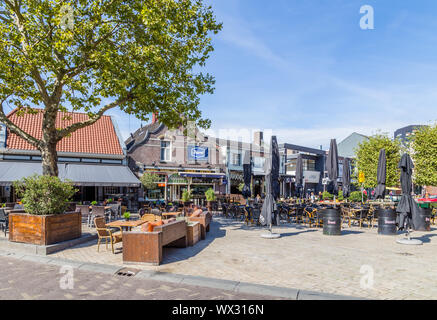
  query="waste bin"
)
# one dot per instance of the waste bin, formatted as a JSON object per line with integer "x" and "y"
{"x": 386, "y": 221}
{"x": 422, "y": 221}
{"x": 331, "y": 221}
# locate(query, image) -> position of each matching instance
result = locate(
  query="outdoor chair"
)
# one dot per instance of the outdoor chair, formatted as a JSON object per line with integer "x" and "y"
{"x": 115, "y": 210}
{"x": 106, "y": 234}
{"x": 311, "y": 217}
{"x": 4, "y": 221}
{"x": 98, "y": 211}
{"x": 86, "y": 215}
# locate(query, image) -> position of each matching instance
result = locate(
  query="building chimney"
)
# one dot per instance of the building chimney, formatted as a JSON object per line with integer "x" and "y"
{"x": 258, "y": 138}
{"x": 154, "y": 118}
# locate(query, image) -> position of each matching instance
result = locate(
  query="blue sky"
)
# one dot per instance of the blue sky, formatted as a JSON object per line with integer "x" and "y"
{"x": 307, "y": 72}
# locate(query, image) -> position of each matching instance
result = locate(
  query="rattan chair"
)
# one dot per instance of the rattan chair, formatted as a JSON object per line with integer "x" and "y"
{"x": 106, "y": 234}
{"x": 4, "y": 221}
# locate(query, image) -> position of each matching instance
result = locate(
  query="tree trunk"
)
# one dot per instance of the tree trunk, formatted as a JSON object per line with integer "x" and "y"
{"x": 49, "y": 159}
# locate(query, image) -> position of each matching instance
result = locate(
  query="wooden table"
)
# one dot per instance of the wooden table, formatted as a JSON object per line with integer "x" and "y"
{"x": 171, "y": 214}
{"x": 106, "y": 207}
{"x": 126, "y": 225}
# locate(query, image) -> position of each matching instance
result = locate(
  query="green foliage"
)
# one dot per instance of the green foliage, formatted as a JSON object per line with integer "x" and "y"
{"x": 126, "y": 215}
{"x": 44, "y": 195}
{"x": 186, "y": 196}
{"x": 368, "y": 156}
{"x": 424, "y": 143}
{"x": 241, "y": 186}
{"x": 340, "y": 195}
{"x": 210, "y": 195}
{"x": 149, "y": 180}
{"x": 109, "y": 200}
{"x": 356, "y": 196}
{"x": 94, "y": 203}
{"x": 139, "y": 56}
{"x": 327, "y": 196}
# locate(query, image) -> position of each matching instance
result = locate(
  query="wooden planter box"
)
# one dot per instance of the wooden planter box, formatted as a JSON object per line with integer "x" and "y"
{"x": 193, "y": 233}
{"x": 44, "y": 230}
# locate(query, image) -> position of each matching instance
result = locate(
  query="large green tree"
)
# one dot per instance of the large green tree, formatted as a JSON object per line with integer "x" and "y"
{"x": 368, "y": 156}
{"x": 424, "y": 144}
{"x": 81, "y": 55}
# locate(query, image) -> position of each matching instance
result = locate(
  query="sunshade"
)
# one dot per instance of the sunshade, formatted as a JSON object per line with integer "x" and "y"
{"x": 381, "y": 175}
{"x": 407, "y": 207}
{"x": 247, "y": 175}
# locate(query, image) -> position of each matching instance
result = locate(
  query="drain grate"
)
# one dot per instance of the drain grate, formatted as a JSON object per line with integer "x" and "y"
{"x": 127, "y": 272}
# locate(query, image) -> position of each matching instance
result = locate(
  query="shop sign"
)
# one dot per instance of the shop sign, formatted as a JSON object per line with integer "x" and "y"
{"x": 197, "y": 153}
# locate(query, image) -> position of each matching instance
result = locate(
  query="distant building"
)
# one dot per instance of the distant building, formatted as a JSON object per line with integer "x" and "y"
{"x": 313, "y": 165}
{"x": 404, "y": 133}
{"x": 347, "y": 147}
{"x": 93, "y": 158}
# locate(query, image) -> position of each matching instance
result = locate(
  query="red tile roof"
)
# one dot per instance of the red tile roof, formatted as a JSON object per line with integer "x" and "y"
{"x": 99, "y": 138}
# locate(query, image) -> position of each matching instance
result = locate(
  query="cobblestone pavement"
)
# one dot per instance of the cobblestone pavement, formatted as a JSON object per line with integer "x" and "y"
{"x": 31, "y": 280}
{"x": 303, "y": 258}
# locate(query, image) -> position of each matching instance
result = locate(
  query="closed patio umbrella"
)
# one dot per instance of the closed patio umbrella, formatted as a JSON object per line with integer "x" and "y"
{"x": 346, "y": 178}
{"x": 247, "y": 175}
{"x": 275, "y": 168}
{"x": 332, "y": 166}
{"x": 407, "y": 207}
{"x": 381, "y": 175}
{"x": 299, "y": 175}
{"x": 269, "y": 204}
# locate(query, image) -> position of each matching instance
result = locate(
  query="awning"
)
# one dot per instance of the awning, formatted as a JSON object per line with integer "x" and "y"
{"x": 80, "y": 174}
{"x": 203, "y": 175}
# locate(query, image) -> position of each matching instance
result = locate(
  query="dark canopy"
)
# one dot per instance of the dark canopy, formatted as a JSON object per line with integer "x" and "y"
{"x": 346, "y": 178}
{"x": 299, "y": 175}
{"x": 332, "y": 166}
{"x": 407, "y": 207}
{"x": 381, "y": 175}
{"x": 275, "y": 168}
{"x": 247, "y": 175}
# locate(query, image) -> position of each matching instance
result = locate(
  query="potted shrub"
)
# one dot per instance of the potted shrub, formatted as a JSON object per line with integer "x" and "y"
{"x": 94, "y": 203}
{"x": 44, "y": 222}
{"x": 357, "y": 196}
{"x": 126, "y": 216}
{"x": 186, "y": 199}
{"x": 210, "y": 197}
{"x": 328, "y": 196}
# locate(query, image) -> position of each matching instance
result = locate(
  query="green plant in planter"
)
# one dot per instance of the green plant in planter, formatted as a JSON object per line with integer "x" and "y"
{"x": 44, "y": 195}
{"x": 186, "y": 196}
{"x": 340, "y": 196}
{"x": 94, "y": 203}
{"x": 109, "y": 200}
{"x": 210, "y": 195}
{"x": 328, "y": 196}
{"x": 126, "y": 215}
{"x": 356, "y": 196}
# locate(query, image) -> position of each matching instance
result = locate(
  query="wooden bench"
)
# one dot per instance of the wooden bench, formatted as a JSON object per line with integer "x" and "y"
{"x": 204, "y": 220}
{"x": 146, "y": 247}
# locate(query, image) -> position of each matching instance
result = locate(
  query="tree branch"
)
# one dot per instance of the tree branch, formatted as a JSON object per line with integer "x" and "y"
{"x": 17, "y": 130}
{"x": 79, "y": 125}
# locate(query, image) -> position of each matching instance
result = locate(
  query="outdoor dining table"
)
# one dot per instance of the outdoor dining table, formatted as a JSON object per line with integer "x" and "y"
{"x": 172, "y": 214}
{"x": 125, "y": 225}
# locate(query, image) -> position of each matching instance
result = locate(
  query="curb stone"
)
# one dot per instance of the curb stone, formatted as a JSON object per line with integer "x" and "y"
{"x": 234, "y": 286}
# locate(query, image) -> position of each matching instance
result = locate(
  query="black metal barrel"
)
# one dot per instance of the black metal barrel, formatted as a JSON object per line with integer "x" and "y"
{"x": 422, "y": 221}
{"x": 386, "y": 221}
{"x": 331, "y": 222}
